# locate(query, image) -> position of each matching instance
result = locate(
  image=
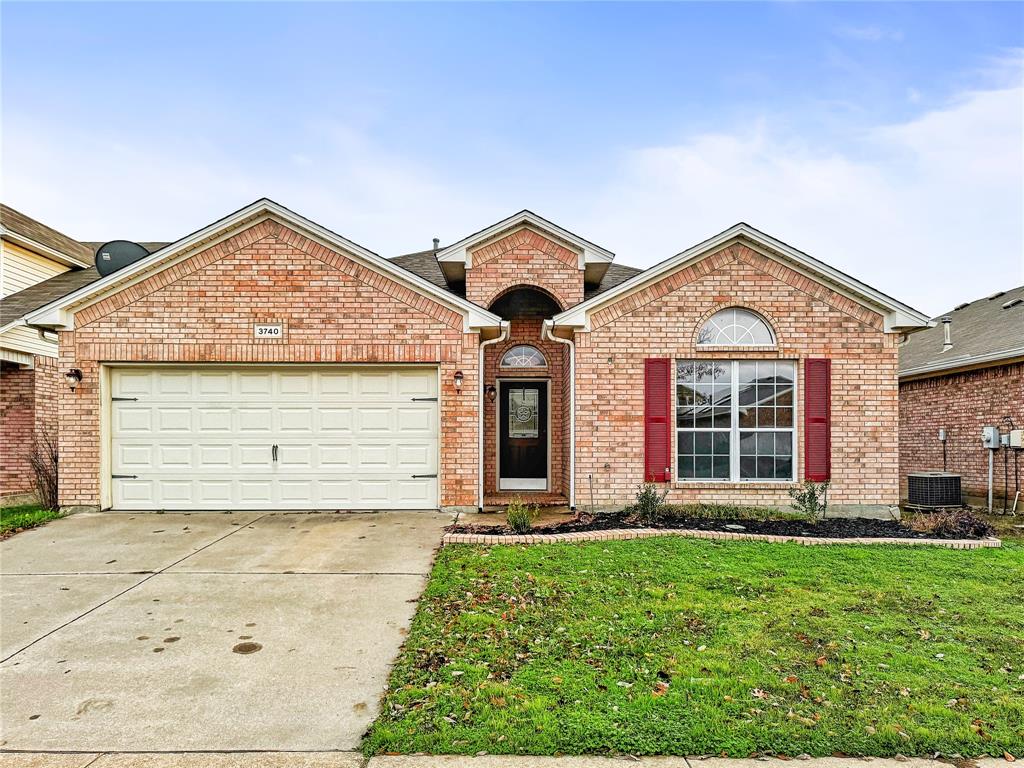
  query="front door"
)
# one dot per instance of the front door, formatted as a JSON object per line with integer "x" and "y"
{"x": 523, "y": 435}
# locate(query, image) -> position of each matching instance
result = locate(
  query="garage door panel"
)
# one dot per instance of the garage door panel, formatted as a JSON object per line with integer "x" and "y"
{"x": 215, "y": 457}
{"x": 255, "y": 457}
{"x": 295, "y": 457}
{"x": 213, "y": 420}
{"x": 347, "y": 438}
{"x": 173, "y": 456}
{"x": 173, "y": 384}
{"x": 214, "y": 384}
{"x": 132, "y": 420}
{"x": 256, "y": 420}
{"x": 416, "y": 420}
{"x": 170, "y": 421}
{"x": 296, "y": 420}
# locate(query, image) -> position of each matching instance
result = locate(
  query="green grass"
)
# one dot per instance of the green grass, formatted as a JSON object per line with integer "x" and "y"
{"x": 679, "y": 646}
{"x": 29, "y": 516}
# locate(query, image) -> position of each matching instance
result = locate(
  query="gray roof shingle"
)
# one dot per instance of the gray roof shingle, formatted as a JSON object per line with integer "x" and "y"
{"x": 31, "y": 229}
{"x": 984, "y": 328}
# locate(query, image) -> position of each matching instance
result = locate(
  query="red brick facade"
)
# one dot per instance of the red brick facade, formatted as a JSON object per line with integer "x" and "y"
{"x": 202, "y": 310}
{"x": 524, "y": 258}
{"x": 28, "y": 409}
{"x": 809, "y": 320}
{"x": 335, "y": 310}
{"x": 961, "y": 403}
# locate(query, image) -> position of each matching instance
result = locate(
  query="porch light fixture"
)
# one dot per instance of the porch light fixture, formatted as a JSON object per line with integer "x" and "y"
{"x": 73, "y": 377}
{"x": 492, "y": 392}
{"x": 457, "y": 380}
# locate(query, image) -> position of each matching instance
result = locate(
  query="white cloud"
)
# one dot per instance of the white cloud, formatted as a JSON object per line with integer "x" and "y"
{"x": 930, "y": 211}
{"x": 870, "y": 33}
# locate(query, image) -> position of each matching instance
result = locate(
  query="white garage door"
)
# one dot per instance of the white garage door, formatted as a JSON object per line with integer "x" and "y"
{"x": 281, "y": 438}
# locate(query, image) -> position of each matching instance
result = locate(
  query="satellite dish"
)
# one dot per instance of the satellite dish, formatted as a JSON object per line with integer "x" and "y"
{"x": 118, "y": 254}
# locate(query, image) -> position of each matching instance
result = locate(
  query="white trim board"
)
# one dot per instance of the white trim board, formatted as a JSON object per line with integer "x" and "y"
{"x": 897, "y": 316}
{"x": 59, "y": 313}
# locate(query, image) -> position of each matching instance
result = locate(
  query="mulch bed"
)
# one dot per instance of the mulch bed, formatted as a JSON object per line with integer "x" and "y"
{"x": 839, "y": 527}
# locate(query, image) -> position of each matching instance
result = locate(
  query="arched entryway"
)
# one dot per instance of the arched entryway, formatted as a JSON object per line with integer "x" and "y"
{"x": 525, "y": 412}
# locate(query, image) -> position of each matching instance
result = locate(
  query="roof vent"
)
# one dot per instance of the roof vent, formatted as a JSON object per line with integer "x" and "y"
{"x": 118, "y": 254}
{"x": 1013, "y": 302}
{"x": 947, "y": 341}
{"x": 996, "y": 295}
{"x": 958, "y": 307}
{"x": 437, "y": 243}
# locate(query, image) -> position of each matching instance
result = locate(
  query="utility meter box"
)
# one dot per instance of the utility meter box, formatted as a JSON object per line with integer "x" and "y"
{"x": 1017, "y": 438}
{"x": 990, "y": 437}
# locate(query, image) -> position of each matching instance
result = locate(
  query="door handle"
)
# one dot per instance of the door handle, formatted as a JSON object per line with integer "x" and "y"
{"x": 273, "y": 453}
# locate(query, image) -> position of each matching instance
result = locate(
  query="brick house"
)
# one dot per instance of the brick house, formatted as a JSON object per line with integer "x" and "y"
{"x": 31, "y": 253}
{"x": 964, "y": 373}
{"x": 265, "y": 362}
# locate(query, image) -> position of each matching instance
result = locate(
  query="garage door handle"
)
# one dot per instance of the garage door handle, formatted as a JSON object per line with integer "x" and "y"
{"x": 273, "y": 452}
{"x": 124, "y": 399}
{"x": 424, "y": 399}
{"x": 124, "y": 477}
{"x": 417, "y": 477}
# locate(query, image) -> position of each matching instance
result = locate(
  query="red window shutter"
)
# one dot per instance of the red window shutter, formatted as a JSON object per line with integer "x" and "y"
{"x": 817, "y": 420}
{"x": 657, "y": 419}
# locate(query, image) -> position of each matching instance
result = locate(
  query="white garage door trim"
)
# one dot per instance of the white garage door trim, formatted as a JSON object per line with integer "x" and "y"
{"x": 203, "y": 437}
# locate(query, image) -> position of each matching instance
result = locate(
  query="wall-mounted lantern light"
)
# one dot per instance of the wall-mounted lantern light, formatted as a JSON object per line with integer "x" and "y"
{"x": 492, "y": 392}
{"x": 457, "y": 380}
{"x": 73, "y": 377}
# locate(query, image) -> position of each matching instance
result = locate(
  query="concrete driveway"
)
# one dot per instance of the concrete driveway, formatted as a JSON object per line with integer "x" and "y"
{"x": 205, "y": 632}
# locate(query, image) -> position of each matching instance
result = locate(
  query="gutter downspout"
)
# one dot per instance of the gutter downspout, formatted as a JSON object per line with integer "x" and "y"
{"x": 505, "y": 325}
{"x": 546, "y": 333}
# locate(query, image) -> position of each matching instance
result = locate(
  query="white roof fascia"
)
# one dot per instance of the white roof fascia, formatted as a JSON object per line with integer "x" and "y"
{"x": 897, "y": 316}
{"x": 589, "y": 252}
{"x": 57, "y": 312}
{"x": 965, "y": 361}
{"x": 43, "y": 250}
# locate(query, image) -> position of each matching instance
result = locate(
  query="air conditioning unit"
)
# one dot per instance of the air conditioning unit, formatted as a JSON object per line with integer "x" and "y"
{"x": 934, "y": 489}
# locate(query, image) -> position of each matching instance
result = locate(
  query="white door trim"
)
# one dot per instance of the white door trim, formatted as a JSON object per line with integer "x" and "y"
{"x": 520, "y": 483}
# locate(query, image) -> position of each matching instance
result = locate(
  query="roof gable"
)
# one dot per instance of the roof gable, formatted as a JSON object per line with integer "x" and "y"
{"x": 897, "y": 316}
{"x": 59, "y": 313}
{"x": 457, "y": 257}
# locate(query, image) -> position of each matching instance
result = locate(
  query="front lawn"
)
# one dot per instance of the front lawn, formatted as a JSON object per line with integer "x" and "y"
{"x": 14, "y": 519}
{"x": 681, "y": 646}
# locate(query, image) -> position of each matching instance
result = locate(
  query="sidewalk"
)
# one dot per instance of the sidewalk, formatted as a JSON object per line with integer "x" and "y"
{"x": 356, "y": 760}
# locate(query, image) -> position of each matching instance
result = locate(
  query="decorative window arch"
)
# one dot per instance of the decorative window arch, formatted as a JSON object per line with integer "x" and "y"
{"x": 735, "y": 327}
{"x": 523, "y": 356}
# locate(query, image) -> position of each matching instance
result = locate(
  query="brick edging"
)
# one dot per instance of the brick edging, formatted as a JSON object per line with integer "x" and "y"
{"x": 622, "y": 534}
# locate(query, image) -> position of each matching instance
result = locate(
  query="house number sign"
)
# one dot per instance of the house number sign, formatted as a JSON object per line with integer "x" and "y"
{"x": 268, "y": 331}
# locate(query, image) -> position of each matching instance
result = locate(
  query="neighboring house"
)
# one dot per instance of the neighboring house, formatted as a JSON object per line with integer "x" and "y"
{"x": 265, "y": 362}
{"x": 960, "y": 376}
{"x": 30, "y": 254}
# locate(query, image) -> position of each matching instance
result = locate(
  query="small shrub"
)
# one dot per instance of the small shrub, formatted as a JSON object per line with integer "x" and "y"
{"x": 520, "y": 516}
{"x": 954, "y": 524}
{"x": 705, "y": 511}
{"x": 649, "y": 508}
{"x": 810, "y": 500}
{"x": 43, "y": 460}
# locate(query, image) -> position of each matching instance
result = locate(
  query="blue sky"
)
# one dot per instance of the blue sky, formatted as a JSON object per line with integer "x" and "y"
{"x": 883, "y": 138}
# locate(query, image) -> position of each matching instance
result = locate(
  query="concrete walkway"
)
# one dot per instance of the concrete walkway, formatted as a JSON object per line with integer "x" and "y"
{"x": 204, "y": 632}
{"x": 355, "y": 760}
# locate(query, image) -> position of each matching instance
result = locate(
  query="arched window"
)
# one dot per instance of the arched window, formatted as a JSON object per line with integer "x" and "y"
{"x": 735, "y": 327}
{"x": 523, "y": 356}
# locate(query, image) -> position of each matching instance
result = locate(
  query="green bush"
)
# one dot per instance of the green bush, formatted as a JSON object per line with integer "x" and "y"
{"x": 649, "y": 508}
{"x": 810, "y": 500}
{"x": 704, "y": 511}
{"x": 520, "y": 516}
